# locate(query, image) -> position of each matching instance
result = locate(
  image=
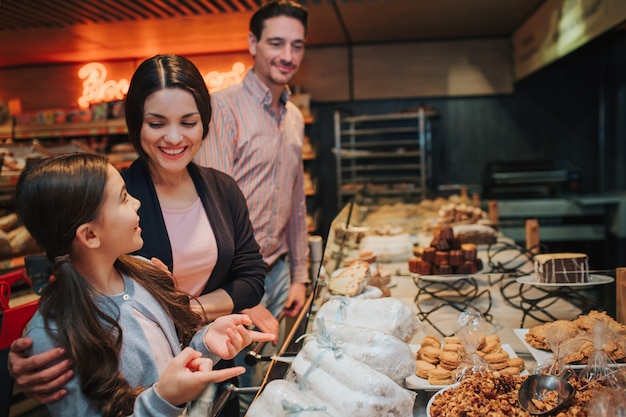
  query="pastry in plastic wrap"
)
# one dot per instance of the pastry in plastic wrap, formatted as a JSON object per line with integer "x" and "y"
{"x": 388, "y": 315}
{"x": 282, "y": 398}
{"x": 347, "y": 386}
{"x": 379, "y": 350}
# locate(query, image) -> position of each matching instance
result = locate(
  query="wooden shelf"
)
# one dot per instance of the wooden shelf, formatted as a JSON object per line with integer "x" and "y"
{"x": 96, "y": 128}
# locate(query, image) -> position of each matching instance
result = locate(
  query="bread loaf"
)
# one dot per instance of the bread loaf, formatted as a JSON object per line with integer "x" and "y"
{"x": 351, "y": 280}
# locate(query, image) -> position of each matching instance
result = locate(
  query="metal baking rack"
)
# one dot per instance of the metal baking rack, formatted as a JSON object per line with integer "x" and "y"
{"x": 539, "y": 301}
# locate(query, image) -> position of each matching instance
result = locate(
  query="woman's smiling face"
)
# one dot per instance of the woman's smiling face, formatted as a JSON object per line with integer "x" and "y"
{"x": 171, "y": 132}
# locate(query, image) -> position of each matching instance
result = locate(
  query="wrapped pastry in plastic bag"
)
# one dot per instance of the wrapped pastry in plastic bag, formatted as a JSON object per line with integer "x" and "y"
{"x": 600, "y": 366}
{"x": 608, "y": 402}
{"x": 563, "y": 346}
{"x": 388, "y": 315}
{"x": 346, "y": 386}
{"x": 380, "y": 351}
{"x": 469, "y": 331}
{"x": 282, "y": 398}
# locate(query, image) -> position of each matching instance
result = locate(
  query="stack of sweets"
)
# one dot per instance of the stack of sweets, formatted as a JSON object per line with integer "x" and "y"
{"x": 445, "y": 255}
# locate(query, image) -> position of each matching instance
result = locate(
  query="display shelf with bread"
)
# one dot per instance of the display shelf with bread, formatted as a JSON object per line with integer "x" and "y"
{"x": 65, "y": 130}
{"x": 311, "y": 177}
{"x": 386, "y": 154}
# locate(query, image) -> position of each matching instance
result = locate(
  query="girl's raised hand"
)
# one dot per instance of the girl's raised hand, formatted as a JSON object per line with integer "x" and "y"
{"x": 227, "y": 335}
{"x": 188, "y": 374}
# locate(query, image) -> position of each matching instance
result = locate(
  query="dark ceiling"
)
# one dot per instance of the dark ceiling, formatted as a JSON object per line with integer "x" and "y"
{"x": 62, "y": 31}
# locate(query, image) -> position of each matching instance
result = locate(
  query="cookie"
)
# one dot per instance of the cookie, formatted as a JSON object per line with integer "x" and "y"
{"x": 439, "y": 376}
{"x": 491, "y": 345}
{"x": 517, "y": 363}
{"x": 452, "y": 347}
{"x": 431, "y": 341}
{"x": 497, "y": 360}
{"x": 452, "y": 339}
{"x": 430, "y": 354}
{"x": 449, "y": 360}
{"x": 496, "y": 357}
{"x": 423, "y": 367}
{"x": 510, "y": 370}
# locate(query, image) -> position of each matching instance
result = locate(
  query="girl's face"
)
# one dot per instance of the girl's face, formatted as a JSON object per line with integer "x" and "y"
{"x": 118, "y": 224}
{"x": 171, "y": 132}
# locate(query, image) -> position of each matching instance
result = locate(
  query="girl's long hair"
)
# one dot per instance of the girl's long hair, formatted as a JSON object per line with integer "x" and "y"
{"x": 53, "y": 199}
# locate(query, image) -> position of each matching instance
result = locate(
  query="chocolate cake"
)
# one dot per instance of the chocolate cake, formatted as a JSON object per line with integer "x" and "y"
{"x": 562, "y": 267}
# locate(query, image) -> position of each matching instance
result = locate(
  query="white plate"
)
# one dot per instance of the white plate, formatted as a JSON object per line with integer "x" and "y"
{"x": 542, "y": 356}
{"x": 416, "y": 383}
{"x": 442, "y": 278}
{"x": 432, "y": 398}
{"x": 447, "y": 277}
{"x": 593, "y": 280}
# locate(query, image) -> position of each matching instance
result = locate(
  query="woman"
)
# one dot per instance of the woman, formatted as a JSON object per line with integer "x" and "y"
{"x": 189, "y": 214}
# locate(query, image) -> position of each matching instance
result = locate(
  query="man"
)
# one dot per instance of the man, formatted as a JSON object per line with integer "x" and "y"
{"x": 256, "y": 136}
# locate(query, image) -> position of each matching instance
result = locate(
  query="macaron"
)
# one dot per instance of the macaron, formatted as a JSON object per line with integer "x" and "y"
{"x": 452, "y": 339}
{"x": 423, "y": 367}
{"x": 431, "y": 341}
{"x": 430, "y": 354}
{"x": 452, "y": 347}
{"x": 439, "y": 376}
{"x": 449, "y": 360}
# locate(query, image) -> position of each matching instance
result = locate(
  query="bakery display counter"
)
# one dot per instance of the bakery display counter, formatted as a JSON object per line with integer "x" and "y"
{"x": 497, "y": 292}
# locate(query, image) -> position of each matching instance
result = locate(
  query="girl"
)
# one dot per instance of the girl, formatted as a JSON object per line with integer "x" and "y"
{"x": 118, "y": 317}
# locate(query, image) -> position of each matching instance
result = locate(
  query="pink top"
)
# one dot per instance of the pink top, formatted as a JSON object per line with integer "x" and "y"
{"x": 194, "y": 249}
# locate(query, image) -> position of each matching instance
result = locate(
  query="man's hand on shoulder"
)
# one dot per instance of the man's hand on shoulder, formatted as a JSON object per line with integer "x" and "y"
{"x": 33, "y": 375}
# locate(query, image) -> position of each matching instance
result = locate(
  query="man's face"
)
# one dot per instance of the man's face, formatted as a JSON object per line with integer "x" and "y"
{"x": 277, "y": 55}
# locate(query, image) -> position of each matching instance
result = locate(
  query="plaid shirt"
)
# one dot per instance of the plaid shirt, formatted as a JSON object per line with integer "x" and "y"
{"x": 263, "y": 152}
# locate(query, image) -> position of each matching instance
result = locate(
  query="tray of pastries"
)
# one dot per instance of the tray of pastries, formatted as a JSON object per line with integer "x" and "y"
{"x": 437, "y": 360}
{"x": 575, "y": 338}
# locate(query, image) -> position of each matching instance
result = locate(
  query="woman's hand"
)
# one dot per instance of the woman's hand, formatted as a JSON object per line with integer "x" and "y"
{"x": 188, "y": 374}
{"x": 227, "y": 335}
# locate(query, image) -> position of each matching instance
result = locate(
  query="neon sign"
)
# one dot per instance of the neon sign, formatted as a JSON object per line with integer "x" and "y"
{"x": 216, "y": 80}
{"x": 97, "y": 89}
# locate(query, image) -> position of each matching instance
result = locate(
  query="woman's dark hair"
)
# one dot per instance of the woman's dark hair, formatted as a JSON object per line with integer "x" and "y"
{"x": 53, "y": 199}
{"x": 155, "y": 74}
{"x": 277, "y": 8}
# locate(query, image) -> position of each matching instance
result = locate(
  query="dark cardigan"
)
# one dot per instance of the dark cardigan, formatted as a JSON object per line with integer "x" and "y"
{"x": 239, "y": 269}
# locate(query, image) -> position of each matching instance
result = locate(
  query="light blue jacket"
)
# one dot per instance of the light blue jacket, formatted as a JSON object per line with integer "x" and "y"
{"x": 137, "y": 362}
